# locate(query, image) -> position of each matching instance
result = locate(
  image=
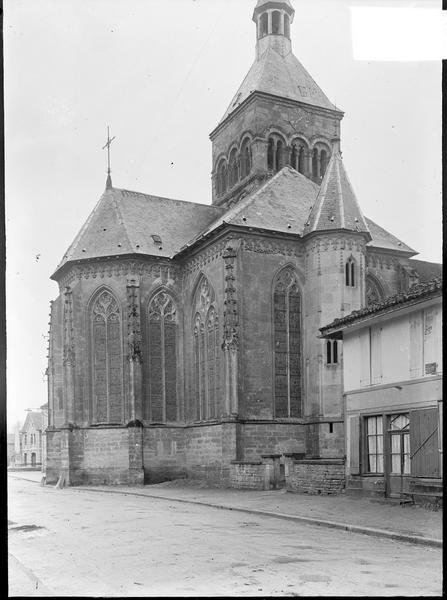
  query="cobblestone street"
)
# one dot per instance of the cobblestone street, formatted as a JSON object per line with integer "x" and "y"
{"x": 80, "y": 542}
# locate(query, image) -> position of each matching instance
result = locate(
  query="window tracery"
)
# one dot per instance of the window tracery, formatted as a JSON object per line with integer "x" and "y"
{"x": 287, "y": 345}
{"x": 107, "y": 360}
{"x": 163, "y": 334}
{"x": 206, "y": 350}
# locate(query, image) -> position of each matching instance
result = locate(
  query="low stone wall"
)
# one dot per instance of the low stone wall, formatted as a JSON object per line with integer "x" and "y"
{"x": 249, "y": 475}
{"x": 325, "y": 476}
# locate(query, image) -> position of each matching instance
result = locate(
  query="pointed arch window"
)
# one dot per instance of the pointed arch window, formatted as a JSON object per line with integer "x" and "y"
{"x": 207, "y": 360}
{"x": 350, "y": 279}
{"x": 287, "y": 345}
{"x": 107, "y": 360}
{"x": 162, "y": 403}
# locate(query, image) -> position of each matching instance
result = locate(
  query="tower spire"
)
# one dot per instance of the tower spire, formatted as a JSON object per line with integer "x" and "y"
{"x": 107, "y": 145}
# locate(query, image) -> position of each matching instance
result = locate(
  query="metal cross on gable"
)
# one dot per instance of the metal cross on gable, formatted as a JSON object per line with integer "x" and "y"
{"x": 107, "y": 145}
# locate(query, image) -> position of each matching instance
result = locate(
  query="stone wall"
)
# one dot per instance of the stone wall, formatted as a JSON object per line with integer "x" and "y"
{"x": 246, "y": 475}
{"x": 324, "y": 477}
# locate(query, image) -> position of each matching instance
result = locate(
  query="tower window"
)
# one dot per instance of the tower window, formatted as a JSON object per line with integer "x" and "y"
{"x": 279, "y": 155}
{"x": 301, "y": 160}
{"x": 271, "y": 155}
{"x": 315, "y": 163}
{"x": 221, "y": 183}
{"x": 287, "y": 26}
{"x": 276, "y": 18}
{"x": 233, "y": 170}
{"x": 332, "y": 352}
{"x": 323, "y": 162}
{"x": 263, "y": 25}
{"x": 350, "y": 273}
{"x": 245, "y": 159}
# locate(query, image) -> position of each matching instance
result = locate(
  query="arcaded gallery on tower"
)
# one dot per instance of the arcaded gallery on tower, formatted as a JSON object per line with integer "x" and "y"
{"x": 185, "y": 340}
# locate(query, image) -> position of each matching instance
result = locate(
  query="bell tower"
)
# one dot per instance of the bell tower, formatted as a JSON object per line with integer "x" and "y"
{"x": 279, "y": 116}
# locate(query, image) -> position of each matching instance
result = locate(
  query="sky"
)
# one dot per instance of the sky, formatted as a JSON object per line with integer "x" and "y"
{"x": 161, "y": 74}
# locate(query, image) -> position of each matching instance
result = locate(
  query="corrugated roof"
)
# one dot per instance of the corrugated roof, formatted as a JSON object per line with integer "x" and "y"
{"x": 383, "y": 239}
{"x": 417, "y": 292}
{"x": 123, "y": 222}
{"x": 281, "y": 76}
{"x": 336, "y": 206}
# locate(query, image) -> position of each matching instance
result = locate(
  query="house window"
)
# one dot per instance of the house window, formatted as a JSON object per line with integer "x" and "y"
{"x": 399, "y": 429}
{"x": 107, "y": 359}
{"x": 287, "y": 345}
{"x": 162, "y": 388}
{"x": 332, "y": 352}
{"x": 350, "y": 272}
{"x": 374, "y": 444}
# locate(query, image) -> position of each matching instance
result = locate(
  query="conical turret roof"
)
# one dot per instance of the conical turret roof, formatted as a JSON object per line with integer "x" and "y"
{"x": 336, "y": 206}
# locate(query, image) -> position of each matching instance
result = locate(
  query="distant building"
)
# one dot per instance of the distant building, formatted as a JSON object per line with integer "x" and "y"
{"x": 31, "y": 436}
{"x": 10, "y": 453}
{"x": 392, "y": 368}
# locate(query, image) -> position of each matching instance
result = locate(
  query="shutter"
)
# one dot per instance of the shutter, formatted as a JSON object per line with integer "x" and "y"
{"x": 376, "y": 355}
{"x": 354, "y": 445}
{"x": 365, "y": 368}
{"x": 424, "y": 443}
{"x": 416, "y": 345}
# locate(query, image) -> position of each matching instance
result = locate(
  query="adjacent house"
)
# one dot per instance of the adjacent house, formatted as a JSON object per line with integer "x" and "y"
{"x": 31, "y": 440}
{"x": 392, "y": 369}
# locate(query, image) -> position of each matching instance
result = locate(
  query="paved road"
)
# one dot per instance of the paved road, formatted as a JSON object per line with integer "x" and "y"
{"x": 97, "y": 544}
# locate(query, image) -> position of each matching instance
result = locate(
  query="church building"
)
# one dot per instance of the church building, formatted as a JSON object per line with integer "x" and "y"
{"x": 185, "y": 341}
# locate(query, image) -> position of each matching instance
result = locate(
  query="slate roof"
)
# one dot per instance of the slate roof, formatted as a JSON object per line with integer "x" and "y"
{"x": 336, "y": 206}
{"x": 36, "y": 418}
{"x": 385, "y": 240}
{"x": 426, "y": 270}
{"x": 281, "y": 76}
{"x": 416, "y": 293}
{"x": 281, "y": 204}
{"x": 123, "y": 222}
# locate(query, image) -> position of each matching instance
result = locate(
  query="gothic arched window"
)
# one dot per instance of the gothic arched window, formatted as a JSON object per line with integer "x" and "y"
{"x": 276, "y": 18}
{"x": 162, "y": 352}
{"x": 287, "y": 344}
{"x": 350, "y": 272}
{"x": 107, "y": 363}
{"x": 233, "y": 170}
{"x": 245, "y": 159}
{"x": 374, "y": 292}
{"x": 207, "y": 350}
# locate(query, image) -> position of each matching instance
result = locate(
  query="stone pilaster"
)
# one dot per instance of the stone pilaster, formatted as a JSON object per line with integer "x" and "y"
{"x": 135, "y": 354}
{"x": 230, "y": 344}
{"x": 69, "y": 358}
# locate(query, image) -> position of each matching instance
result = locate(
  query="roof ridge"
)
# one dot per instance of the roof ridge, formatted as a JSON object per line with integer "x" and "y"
{"x": 133, "y": 192}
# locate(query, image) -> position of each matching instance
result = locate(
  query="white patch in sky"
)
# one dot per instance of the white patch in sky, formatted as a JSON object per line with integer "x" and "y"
{"x": 398, "y": 33}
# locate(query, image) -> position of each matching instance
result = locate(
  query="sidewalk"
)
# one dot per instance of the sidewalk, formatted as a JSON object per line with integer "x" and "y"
{"x": 405, "y": 523}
